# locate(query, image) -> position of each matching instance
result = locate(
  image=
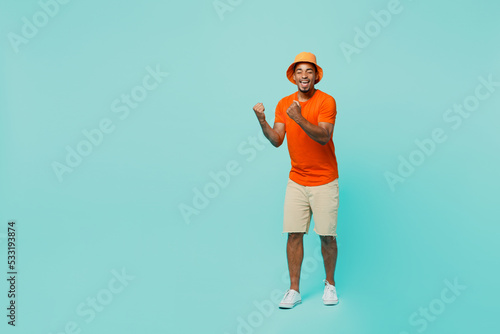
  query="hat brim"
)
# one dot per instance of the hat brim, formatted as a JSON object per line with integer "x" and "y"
{"x": 289, "y": 72}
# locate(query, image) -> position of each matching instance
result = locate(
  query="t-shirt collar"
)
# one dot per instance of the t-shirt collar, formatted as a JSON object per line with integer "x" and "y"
{"x": 312, "y": 97}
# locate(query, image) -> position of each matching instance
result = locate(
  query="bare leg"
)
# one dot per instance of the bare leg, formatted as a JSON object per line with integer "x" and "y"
{"x": 329, "y": 251}
{"x": 295, "y": 254}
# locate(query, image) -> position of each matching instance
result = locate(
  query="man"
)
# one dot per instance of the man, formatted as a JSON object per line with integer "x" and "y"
{"x": 307, "y": 117}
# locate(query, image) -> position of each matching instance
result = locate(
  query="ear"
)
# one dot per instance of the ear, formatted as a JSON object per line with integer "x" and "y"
{"x": 317, "y": 78}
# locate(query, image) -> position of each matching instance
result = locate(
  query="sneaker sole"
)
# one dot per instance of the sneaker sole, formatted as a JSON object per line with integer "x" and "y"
{"x": 289, "y": 306}
{"x": 330, "y": 303}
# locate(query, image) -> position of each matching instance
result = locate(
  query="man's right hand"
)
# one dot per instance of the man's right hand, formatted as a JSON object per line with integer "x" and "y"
{"x": 259, "y": 112}
{"x": 275, "y": 134}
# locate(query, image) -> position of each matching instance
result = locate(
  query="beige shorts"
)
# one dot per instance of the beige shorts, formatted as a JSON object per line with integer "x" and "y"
{"x": 302, "y": 202}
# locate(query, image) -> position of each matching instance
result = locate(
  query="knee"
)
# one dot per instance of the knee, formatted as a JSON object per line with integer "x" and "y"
{"x": 328, "y": 240}
{"x": 295, "y": 237}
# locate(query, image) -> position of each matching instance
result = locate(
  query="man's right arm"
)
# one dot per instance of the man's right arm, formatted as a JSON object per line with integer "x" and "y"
{"x": 276, "y": 134}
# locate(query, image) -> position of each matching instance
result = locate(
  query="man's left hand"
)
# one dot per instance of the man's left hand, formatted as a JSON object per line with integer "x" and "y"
{"x": 295, "y": 111}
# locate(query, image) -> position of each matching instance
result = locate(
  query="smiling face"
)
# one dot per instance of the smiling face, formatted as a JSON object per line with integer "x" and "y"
{"x": 305, "y": 76}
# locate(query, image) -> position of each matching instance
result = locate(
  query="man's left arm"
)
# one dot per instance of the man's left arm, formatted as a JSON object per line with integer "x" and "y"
{"x": 321, "y": 133}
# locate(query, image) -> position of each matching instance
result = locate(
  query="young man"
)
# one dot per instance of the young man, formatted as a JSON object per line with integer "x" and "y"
{"x": 307, "y": 117}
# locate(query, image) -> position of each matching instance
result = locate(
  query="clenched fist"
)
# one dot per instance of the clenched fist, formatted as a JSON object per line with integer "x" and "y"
{"x": 295, "y": 111}
{"x": 259, "y": 112}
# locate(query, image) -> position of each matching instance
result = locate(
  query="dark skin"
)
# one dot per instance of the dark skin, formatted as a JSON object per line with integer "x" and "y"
{"x": 295, "y": 255}
{"x": 305, "y": 77}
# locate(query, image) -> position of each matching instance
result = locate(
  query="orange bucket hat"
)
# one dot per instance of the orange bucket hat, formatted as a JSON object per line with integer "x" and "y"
{"x": 308, "y": 58}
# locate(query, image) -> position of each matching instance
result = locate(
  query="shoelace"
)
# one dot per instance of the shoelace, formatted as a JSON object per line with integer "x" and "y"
{"x": 288, "y": 295}
{"x": 329, "y": 287}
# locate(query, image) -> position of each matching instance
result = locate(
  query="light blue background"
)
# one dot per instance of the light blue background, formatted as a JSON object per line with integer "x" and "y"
{"x": 120, "y": 207}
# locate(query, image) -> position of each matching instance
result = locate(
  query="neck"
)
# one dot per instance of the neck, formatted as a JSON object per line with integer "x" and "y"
{"x": 306, "y": 96}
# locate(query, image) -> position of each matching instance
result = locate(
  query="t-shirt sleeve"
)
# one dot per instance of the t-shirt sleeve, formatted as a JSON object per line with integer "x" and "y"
{"x": 279, "y": 116}
{"x": 328, "y": 111}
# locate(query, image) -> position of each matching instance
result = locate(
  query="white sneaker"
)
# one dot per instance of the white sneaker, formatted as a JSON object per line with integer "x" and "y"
{"x": 330, "y": 294}
{"x": 290, "y": 299}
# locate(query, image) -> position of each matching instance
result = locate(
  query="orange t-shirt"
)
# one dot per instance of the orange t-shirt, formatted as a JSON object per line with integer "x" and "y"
{"x": 313, "y": 164}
